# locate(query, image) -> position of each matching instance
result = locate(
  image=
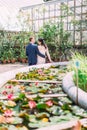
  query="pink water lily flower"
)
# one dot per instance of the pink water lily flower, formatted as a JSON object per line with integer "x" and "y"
{"x": 30, "y": 85}
{"x": 8, "y": 86}
{"x": 36, "y": 83}
{"x": 39, "y": 70}
{"x": 4, "y": 93}
{"x": 32, "y": 104}
{"x": 49, "y": 103}
{"x": 10, "y": 96}
{"x": 8, "y": 113}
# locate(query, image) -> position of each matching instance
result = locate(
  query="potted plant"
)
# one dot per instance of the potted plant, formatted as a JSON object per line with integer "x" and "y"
{"x": 4, "y": 57}
{"x": 11, "y": 55}
{"x": 23, "y": 56}
{"x": 3, "y": 60}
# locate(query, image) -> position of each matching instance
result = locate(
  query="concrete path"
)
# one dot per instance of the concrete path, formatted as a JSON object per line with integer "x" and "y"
{"x": 8, "y": 67}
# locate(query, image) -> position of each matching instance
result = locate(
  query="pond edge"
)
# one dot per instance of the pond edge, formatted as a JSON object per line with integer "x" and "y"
{"x": 71, "y": 90}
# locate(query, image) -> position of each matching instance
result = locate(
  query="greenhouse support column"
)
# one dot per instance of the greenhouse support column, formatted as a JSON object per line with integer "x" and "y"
{"x": 38, "y": 17}
{"x": 74, "y": 23}
{"x": 81, "y": 22}
{"x": 44, "y": 15}
{"x": 67, "y": 15}
{"x": 32, "y": 18}
{"x": 49, "y": 13}
{"x": 54, "y": 13}
{"x": 61, "y": 23}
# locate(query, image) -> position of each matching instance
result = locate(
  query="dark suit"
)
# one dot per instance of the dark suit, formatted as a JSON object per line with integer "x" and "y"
{"x": 32, "y": 52}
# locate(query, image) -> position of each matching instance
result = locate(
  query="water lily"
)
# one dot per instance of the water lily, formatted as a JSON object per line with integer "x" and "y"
{"x": 4, "y": 93}
{"x": 49, "y": 103}
{"x": 11, "y": 103}
{"x": 8, "y": 113}
{"x": 45, "y": 120}
{"x": 9, "y": 86}
{"x": 2, "y": 119}
{"x": 32, "y": 104}
{"x": 30, "y": 85}
{"x": 22, "y": 88}
{"x": 39, "y": 70}
{"x": 36, "y": 83}
{"x": 10, "y": 96}
{"x": 9, "y": 119}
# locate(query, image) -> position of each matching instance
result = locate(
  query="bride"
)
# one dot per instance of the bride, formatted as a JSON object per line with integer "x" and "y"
{"x": 42, "y": 47}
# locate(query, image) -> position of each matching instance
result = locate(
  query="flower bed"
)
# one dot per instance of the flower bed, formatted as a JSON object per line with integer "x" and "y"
{"x": 35, "y": 99}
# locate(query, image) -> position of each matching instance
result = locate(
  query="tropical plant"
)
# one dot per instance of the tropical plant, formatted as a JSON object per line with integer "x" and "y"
{"x": 22, "y": 53}
{"x": 81, "y": 71}
{"x": 56, "y": 38}
{"x": 12, "y": 44}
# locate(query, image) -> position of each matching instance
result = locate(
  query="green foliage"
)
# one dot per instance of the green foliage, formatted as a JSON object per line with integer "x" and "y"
{"x": 22, "y": 53}
{"x": 56, "y": 38}
{"x": 82, "y": 70}
{"x": 41, "y": 106}
{"x": 12, "y": 45}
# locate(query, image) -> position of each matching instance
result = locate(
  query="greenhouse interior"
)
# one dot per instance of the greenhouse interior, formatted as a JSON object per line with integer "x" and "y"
{"x": 43, "y": 65}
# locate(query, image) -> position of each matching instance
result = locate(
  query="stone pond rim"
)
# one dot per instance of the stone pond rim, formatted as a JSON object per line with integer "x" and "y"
{"x": 71, "y": 90}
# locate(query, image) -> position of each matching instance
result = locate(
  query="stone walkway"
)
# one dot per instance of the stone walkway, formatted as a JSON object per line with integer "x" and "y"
{"x": 8, "y": 67}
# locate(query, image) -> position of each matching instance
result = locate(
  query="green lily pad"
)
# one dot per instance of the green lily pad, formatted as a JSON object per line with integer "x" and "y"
{"x": 59, "y": 119}
{"x": 65, "y": 100}
{"x": 12, "y": 127}
{"x": 32, "y": 118}
{"x": 17, "y": 120}
{"x": 3, "y": 128}
{"x": 41, "y": 106}
{"x": 42, "y": 115}
{"x": 66, "y": 106}
{"x": 38, "y": 125}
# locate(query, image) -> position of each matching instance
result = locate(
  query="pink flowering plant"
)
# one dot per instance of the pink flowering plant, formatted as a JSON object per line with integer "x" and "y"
{"x": 49, "y": 103}
{"x": 32, "y": 104}
{"x": 8, "y": 113}
{"x": 10, "y": 96}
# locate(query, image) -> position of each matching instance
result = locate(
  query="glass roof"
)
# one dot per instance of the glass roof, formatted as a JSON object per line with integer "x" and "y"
{"x": 9, "y": 10}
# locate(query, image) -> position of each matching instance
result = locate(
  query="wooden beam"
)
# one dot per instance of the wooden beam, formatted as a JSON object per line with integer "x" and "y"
{"x": 40, "y": 95}
{"x": 47, "y": 95}
{"x": 34, "y": 81}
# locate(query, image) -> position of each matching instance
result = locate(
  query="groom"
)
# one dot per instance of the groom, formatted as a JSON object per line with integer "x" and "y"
{"x": 32, "y": 52}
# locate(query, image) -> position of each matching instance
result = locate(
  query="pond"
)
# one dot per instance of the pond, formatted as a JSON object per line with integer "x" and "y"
{"x": 35, "y": 99}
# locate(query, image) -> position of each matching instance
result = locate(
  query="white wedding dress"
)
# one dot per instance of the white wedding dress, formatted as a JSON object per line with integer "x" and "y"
{"x": 45, "y": 52}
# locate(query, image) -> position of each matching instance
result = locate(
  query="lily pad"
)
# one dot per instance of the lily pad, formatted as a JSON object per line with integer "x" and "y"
{"x": 17, "y": 120}
{"x": 38, "y": 125}
{"x": 42, "y": 115}
{"x": 41, "y": 106}
{"x": 11, "y": 127}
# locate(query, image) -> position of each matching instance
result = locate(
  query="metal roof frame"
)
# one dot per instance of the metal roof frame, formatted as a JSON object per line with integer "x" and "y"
{"x": 46, "y": 3}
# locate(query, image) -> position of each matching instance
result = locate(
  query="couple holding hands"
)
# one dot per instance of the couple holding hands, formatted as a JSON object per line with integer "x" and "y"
{"x": 37, "y": 53}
